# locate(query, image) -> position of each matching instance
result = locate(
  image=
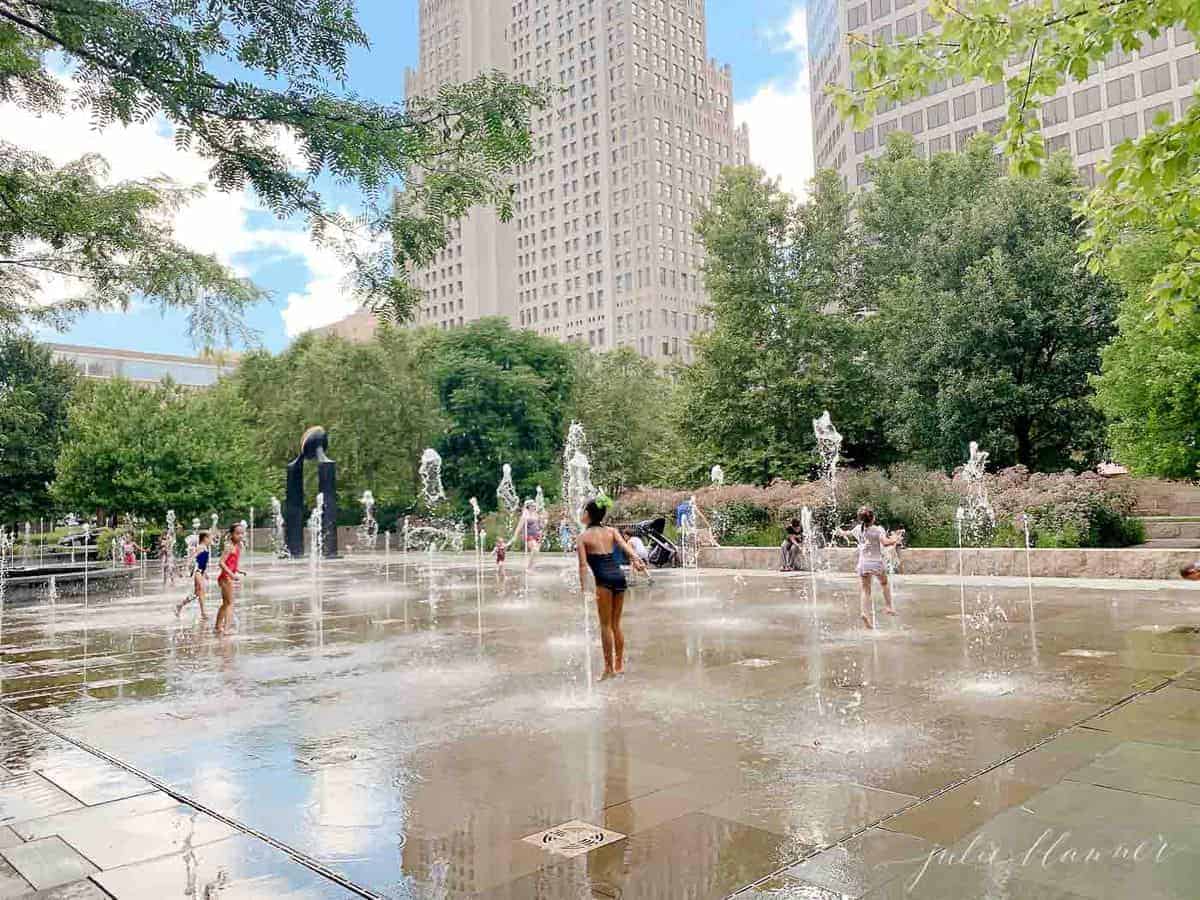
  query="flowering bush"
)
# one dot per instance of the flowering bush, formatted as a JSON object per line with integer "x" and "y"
{"x": 1065, "y": 510}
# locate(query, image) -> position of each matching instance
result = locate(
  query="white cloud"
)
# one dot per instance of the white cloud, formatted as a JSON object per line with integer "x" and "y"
{"x": 780, "y": 114}
{"x": 216, "y": 222}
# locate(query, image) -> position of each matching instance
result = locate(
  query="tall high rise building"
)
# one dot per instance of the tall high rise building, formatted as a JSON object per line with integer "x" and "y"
{"x": 602, "y": 250}
{"x": 1121, "y": 99}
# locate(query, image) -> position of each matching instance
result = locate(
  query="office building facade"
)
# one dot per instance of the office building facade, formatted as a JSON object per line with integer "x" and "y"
{"x": 602, "y": 250}
{"x": 1122, "y": 98}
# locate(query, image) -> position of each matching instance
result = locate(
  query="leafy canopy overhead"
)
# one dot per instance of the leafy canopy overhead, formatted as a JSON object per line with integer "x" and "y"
{"x": 134, "y": 60}
{"x": 1034, "y": 49}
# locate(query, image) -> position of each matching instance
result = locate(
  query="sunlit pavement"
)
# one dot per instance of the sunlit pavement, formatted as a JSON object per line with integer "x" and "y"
{"x": 363, "y": 736}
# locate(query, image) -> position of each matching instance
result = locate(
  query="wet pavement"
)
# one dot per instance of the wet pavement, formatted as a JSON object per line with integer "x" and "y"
{"x": 445, "y": 738}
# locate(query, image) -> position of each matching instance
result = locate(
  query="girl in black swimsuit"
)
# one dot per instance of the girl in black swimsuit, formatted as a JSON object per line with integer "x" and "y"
{"x": 595, "y": 548}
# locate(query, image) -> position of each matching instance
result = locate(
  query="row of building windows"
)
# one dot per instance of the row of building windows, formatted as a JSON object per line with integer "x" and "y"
{"x": 1087, "y": 139}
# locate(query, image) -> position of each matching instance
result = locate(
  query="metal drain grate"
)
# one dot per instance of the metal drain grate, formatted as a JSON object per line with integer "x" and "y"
{"x": 756, "y": 663}
{"x": 573, "y": 838}
{"x": 1089, "y": 654}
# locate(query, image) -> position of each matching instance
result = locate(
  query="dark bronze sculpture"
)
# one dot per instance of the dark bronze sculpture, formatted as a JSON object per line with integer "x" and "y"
{"x": 313, "y": 445}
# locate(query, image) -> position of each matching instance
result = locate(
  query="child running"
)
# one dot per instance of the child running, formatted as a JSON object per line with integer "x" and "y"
{"x": 229, "y": 571}
{"x": 871, "y": 541}
{"x": 199, "y": 575}
{"x": 595, "y": 547}
{"x": 529, "y": 528}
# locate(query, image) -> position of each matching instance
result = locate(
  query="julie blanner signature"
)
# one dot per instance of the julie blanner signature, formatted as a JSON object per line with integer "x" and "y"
{"x": 1052, "y": 848}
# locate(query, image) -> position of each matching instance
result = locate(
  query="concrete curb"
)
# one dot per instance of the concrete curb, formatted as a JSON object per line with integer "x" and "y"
{"x": 990, "y": 561}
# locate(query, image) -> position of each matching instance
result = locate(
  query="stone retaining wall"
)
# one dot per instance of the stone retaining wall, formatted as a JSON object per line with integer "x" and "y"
{"x": 1130, "y": 563}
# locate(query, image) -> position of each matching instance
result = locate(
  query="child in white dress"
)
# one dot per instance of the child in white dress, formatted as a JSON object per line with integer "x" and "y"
{"x": 871, "y": 542}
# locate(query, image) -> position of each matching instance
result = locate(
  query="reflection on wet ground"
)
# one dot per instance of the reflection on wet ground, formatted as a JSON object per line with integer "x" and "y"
{"x": 362, "y": 736}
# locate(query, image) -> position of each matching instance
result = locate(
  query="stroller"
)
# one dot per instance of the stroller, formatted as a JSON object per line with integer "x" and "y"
{"x": 663, "y": 553}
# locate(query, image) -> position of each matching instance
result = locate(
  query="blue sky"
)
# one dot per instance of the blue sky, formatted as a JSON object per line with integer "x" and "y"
{"x": 762, "y": 40}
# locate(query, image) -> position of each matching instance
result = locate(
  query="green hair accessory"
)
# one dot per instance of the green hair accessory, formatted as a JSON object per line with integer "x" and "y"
{"x": 604, "y": 501}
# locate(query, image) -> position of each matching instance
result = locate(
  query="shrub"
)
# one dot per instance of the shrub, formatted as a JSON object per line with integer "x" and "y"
{"x": 1065, "y": 510}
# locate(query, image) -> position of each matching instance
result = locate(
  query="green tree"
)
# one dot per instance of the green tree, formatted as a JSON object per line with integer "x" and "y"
{"x": 34, "y": 393}
{"x": 623, "y": 402}
{"x": 236, "y": 79}
{"x": 1149, "y": 386}
{"x": 1034, "y": 48}
{"x": 987, "y": 327}
{"x": 374, "y": 399}
{"x": 506, "y": 395}
{"x": 783, "y": 287}
{"x": 144, "y": 450}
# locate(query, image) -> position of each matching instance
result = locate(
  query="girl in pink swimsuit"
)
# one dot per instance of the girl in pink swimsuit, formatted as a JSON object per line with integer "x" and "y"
{"x": 229, "y": 571}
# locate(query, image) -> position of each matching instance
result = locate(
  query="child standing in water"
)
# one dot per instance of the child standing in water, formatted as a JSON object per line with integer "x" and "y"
{"x": 199, "y": 575}
{"x": 595, "y": 547}
{"x": 871, "y": 541}
{"x": 501, "y": 554}
{"x": 130, "y": 549}
{"x": 229, "y": 571}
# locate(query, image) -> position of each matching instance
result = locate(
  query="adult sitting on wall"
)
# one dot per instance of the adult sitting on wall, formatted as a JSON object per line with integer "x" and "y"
{"x": 792, "y": 549}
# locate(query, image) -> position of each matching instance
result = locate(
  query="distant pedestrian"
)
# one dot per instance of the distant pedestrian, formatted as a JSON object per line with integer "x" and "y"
{"x": 1192, "y": 571}
{"x": 791, "y": 548}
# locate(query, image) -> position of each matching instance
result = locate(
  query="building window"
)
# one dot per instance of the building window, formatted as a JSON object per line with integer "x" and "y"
{"x": 1121, "y": 90}
{"x": 1156, "y": 80}
{"x": 857, "y": 17}
{"x": 1155, "y": 45}
{"x": 1055, "y": 111}
{"x": 864, "y": 177}
{"x": 991, "y": 96}
{"x": 907, "y": 27}
{"x": 1087, "y": 101}
{"x": 913, "y": 123}
{"x": 938, "y": 114}
{"x": 1058, "y": 143}
{"x": 1123, "y": 128}
{"x": 964, "y": 105}
{"x": 961, "y": 138}
{"x": 1117, "y": 57}
{"x": 1089, "y": 139}
{"x": 883, "y": 129}
{"x": 939, "y": 145}
{"x": 1151, "y": 115}
{"x": 1189, "y": 69}
{"x": 993, "y": 126}
{"x": 1088, "y": 174}
{"x": 880, "y": 8}
{"x": 864, "y": 140}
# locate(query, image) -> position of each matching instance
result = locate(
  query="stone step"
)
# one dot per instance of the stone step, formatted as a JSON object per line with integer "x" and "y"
{"x": 1156, "y": 497}
{"x": 1170, "y": 544}
{"x": 1176, "y": 528}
